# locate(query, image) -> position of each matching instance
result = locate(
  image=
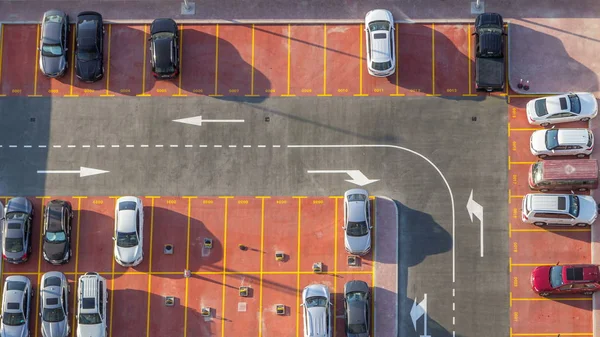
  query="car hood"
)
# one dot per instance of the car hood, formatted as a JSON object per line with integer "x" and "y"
{"x": 589, "y": 104}
{"x": 18, "y": 204}
{"x": 540, "y": 278}
{"x": 14, "y": 330}
{"x": 55, "y": 251}
{"x": 353, "y": 286}
{"x": 358, "y": 243}
{"x": 318, "y": 317}
{"x": 538, "y": 140}
{"x": 128, "y": 255}
{"x": 53, "y": 64}
{"x": 587, "y": 209}
{"x": 90, "y": 330}
{"x": 88, "y": 70}
{"x": 54, "y": 329}
{"x": 378, "y": 15}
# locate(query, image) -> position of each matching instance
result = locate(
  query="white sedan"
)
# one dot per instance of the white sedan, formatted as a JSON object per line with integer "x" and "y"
{"x": 572, "y": 107}
{"x": 129, "y": 231}
{"x": 381, "y": 51}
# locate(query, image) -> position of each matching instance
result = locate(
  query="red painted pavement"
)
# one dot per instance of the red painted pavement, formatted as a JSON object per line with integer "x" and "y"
{"x": 317, "y": 233}
{"x": 207, "y": 221}
{"x": 308, "y": 58}
{"x": 281, "y": 234}
{"x": 198, "y": 59}
{"x": 343, "y": 59}
{"x": 126, "y": 64}
{"x": 205, "y": 291}
{"x": 129, "y": 295}
{"x": 414, "y": 59}
{"x": 235, "y": 60}
{"x": 164, "y": 320}
{"x": 451, "y": 60}
{"x": 19, "y": 50}
{"x": 271, "y": 60}
{"x": 170, "y": 227}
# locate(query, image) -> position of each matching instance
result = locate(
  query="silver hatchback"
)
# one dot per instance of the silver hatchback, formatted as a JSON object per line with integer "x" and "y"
{"x": 54, "y": 305}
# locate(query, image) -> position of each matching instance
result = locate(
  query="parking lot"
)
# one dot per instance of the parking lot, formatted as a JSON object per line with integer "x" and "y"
{"x": 263, "y": 224}
{"x": 531, "y": 246}
{"x": 253, "y": 60}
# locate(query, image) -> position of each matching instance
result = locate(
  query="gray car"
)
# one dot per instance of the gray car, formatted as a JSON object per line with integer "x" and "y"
{"x": 16, "y": 306}
{"x": 357, "y": 222}
{"x": 53, "y": 43}
{"x": 16, "y": 230}
{"x": 54, "y": 305}
{"x": 357, "y": 309}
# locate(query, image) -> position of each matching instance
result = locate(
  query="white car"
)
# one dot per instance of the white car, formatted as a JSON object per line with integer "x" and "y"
{"x": 572, "y": 107}
{"x": 559, "y": 209}
{"x": 129, "y": 231}
{"x": 561, "y": 142}
{"x": 357, "y": 222}
{"x": 381, "y": 48}
{"x": 316, "y": 302}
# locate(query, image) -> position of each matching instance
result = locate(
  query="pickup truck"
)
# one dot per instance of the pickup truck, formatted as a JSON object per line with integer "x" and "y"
{"x": 489, "y": 52}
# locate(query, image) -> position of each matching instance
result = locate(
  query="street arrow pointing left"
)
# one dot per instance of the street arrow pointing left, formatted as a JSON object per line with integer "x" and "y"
{"x": 417, "y": 311}
{"x": 198, "y": 120}
{"x": 83, "y": 171}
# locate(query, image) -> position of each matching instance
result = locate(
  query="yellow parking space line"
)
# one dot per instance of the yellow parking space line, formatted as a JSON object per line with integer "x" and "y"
{"x": 289, "y": 61}
{"x": 526, "y": 129}
{"x": 35, "y": 70}
{"x": 224, "y": 279}
{"x": 112, "y": 271}
{"x": 108, "y": 74}
{"x": 335, "y": 259}
{"x": 179, "y": 94}
{"x": 527, "y": 95}
{"x": 360, "y": 62}
{"x": 553, "y": 230}
{"x": 72, "y": 63}
{"x": 39, "y": 269}
{"x": 216, "y": 93}
{"x": 252, "y": 68}
{"x": 553, "y": 334}
{"x": 397, "y": 93}
{"x": 144, "y": 94}
{"x": 324, "y": 94}
{"x": 559, "y": 299}
{"x": 510, "y": 300}
{"x": 262, "y": 249}
{"x": 469, "y": 55}
{"x": 373, "y": 267}
{"x": 522, "y": 162}
{"x": 150, "y": 264}
{"x": 187, "y": 264}
{"x": 1, "y": 49}
{"x": 298, "y": 251}
{"x": 75, "y": 283}
{"x": 433, "y": 62}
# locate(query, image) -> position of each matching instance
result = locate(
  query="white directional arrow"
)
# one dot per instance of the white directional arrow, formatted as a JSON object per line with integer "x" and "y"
{"x": 198, "y": 120}
{"x": 417, "y": 311}
{"x": 83, "y": 171}
{"x": 358, "y": 177}
{"x": 476, "y": 209}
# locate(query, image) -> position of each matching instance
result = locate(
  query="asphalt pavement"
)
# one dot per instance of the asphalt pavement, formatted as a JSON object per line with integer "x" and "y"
{"x": 428, "y": 154}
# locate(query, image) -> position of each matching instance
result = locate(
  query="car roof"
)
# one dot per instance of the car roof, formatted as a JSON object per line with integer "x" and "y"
{"x": 356, "y": 312}
{"x": 549, "y": 202}
{"x": 55, "y": 217}
{"x": 380, "y": 46}
{"x": 163, "y": 52}
{"x": 126, "y": 221}
{"x": 581, "y": 274}
{"x": 573, "y": 136}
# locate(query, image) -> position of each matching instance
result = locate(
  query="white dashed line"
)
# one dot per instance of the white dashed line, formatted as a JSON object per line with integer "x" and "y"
{"x": 56, "y": 146}
{"x": 71, "y": 146}
{"x": 203, "y": 145}
{"x": 276, "y": 145}
{"x": 27, "y": 146}
{"x": 158, "y": 145}
{"x": 218, "y": 145}
{"x": 86, "y": 146}
{"x": 0, "y": 145}
{"x": 453, "y": 320}
{"x": 144, "y": 145}
{"x": 188, "y": 145}
{"x": 101, "y": 146}
{"x": 247, "y": 145}
{"x": 12, "y": 146}
{"x": 262, "y": 146}
{"x": 232, "y": 145}
{"x": 114, "y": 146}
{"x": 40, "y": 146}
{"x": 453, "y": 306}
{"x": 173, "y": 145}
{"x": 129, "y": 145}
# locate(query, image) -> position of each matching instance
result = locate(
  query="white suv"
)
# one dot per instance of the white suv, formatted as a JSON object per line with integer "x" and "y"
{"x": 559, "y": 209}
{"x": 91, "y": 306}
{"x": 381, "y": 50}
{"x": 561, "y": 142}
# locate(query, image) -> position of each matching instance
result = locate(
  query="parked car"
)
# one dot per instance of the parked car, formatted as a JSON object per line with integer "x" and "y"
{"x": 489, "y": 52}
{"x": 567, "y": 175}
{"x": 16, "y": 306}
{"x": 569, "y": 279}
{"x": 316, "y": 304}
{"x": 561, "y": 142}
{"x": 357, "y": 309}
{"x": 357, "y": 222}
{"x": 16, "y": 230}
{"x": 92, "y": 299}
{"x": 559, "y": 209}
{"x": 54, "y": 305}
{"x": 54, "y": 43}
{"x": 129, "y": 231}
{"x": 56, "y": 248}
{"x": 164, "y": 48}
{"x": 572, "y": 107}
{"x": 89, "y": 53}
{"x": 381, "y": 49}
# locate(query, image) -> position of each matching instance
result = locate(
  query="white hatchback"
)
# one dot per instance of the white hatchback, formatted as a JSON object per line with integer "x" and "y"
{"x": 381, "y": 49}
{"x": 572, "y": 107}
{"x": 561, "y": 142}
{"x": 129, "y": 231}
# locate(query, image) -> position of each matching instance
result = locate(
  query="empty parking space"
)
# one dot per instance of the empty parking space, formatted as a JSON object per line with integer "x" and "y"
{"x": 207, "y": 222}
{"x": 271, "y": 60}
{"x": 169, "y": 227}
{"x": 198, "y": 56}
{"x": 126, "y": 64}
{"x": 281, "y": 227}
{"x": 550, "y": 247}
{"x": 129, "y": 295}
{"x": 451, "y": 54}
{"x": 243, "y": 252}
{"x": 567, "y": 316}
{"x": 317, "y": 233}
{"x": 308, "y": 58}
{"x": 344, "y": 54}
{"x": 415, "y": 59}
{"x": 166, "y": 320}
{"x": 205, "y": 291}
{"x": 235, "y": 60}
{"x": 279, "y": 289}
{"x": 19, "y": 56}
{"x": 96, "y": 226}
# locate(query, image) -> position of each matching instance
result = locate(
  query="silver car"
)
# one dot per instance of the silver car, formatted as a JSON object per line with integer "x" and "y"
{"x": 16, "y": 307}
{"x": 381, "y": 49}
{"x": 129, "y": 231}
{"x": 54, "y": 305}
{"x": 572, "y": 107}
{"x": 316, "y": 301}
{"x": 53, "y": 43}
{"x": 357, "y": 222}
{"x": 16, "y": 230}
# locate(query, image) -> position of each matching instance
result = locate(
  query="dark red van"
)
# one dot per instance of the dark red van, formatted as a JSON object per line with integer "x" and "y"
{"x": 569, "y": 175}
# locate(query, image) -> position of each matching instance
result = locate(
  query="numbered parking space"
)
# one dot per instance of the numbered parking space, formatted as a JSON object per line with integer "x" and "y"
{"x": 252, "y": 60}
{"x": 531, "y": 246}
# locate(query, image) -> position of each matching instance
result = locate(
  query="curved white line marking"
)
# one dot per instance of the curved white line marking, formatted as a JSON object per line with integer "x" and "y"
{"x": 419, "y": 155}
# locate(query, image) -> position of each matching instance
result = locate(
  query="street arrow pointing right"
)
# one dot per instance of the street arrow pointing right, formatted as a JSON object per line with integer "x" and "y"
{"x": 83, "y": 171}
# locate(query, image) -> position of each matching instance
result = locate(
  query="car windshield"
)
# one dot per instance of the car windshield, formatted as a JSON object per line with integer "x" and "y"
{"x": 356, "y": 296}
{"x": 56, "y": 236}
{"x": 379, "y": 25}
{"x": 489, "y": 29}
{"x": 51, "y": 50}
{"x": 357, "y": 328}
{"x": 53, "y": 315}
{"x": 357, "y": 197}
{"x": 537, "y": 173}
{"x": 551, "y": 139}
{"x": 13, "y": 245}
{"x": 556, "y": 279}
{"x": 575, "y": 104}
{"x": 316, "y": 301}
{"x": 54, "y": 18}
{"x": 381, "y": 65}
{"x": 127, "y": 240}
{"x": 89, "y": 319}
{"x": 357, "y": 228}
{"x": 12, "y": 318}
{"x": 16, "y": 215}
{"x": 127, "y": 206}
{"x": 574, "y": 205}
{"x": 540, "y": 107}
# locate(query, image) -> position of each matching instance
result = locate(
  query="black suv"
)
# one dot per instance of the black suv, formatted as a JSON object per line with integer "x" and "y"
{"x": 57, "y": 231}
{"x": 164, "y": 48}
{"x": 89, "y": 62}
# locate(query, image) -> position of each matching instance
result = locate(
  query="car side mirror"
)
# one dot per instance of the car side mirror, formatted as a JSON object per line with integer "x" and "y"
{"x": 150, "y": 38}
{"x": 557, "y": 263}
{"x": 40, "y": 314}
{"x": 370, "y": 227}
{"x": 344, "y": 227}
{"x": 301, "y": 304}
{"x": 114, "y": 238}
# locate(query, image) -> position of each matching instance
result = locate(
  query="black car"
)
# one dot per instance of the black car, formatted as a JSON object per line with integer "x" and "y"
{"x": 16, "y": 230}
{"x": 57, "y": 232}
{"x": 357, "y": 309}
{"x": 164, "y": 48}
{"x": 89, "y": 63}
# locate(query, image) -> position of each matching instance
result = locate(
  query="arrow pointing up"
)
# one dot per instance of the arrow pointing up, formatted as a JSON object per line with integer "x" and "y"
{"x": 198, "y": 120}
{"x": 83, "y": 171}
{"x": 357, "y": 176}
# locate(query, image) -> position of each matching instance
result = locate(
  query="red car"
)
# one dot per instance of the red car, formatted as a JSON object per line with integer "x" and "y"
{"x": 573, "y": 279}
